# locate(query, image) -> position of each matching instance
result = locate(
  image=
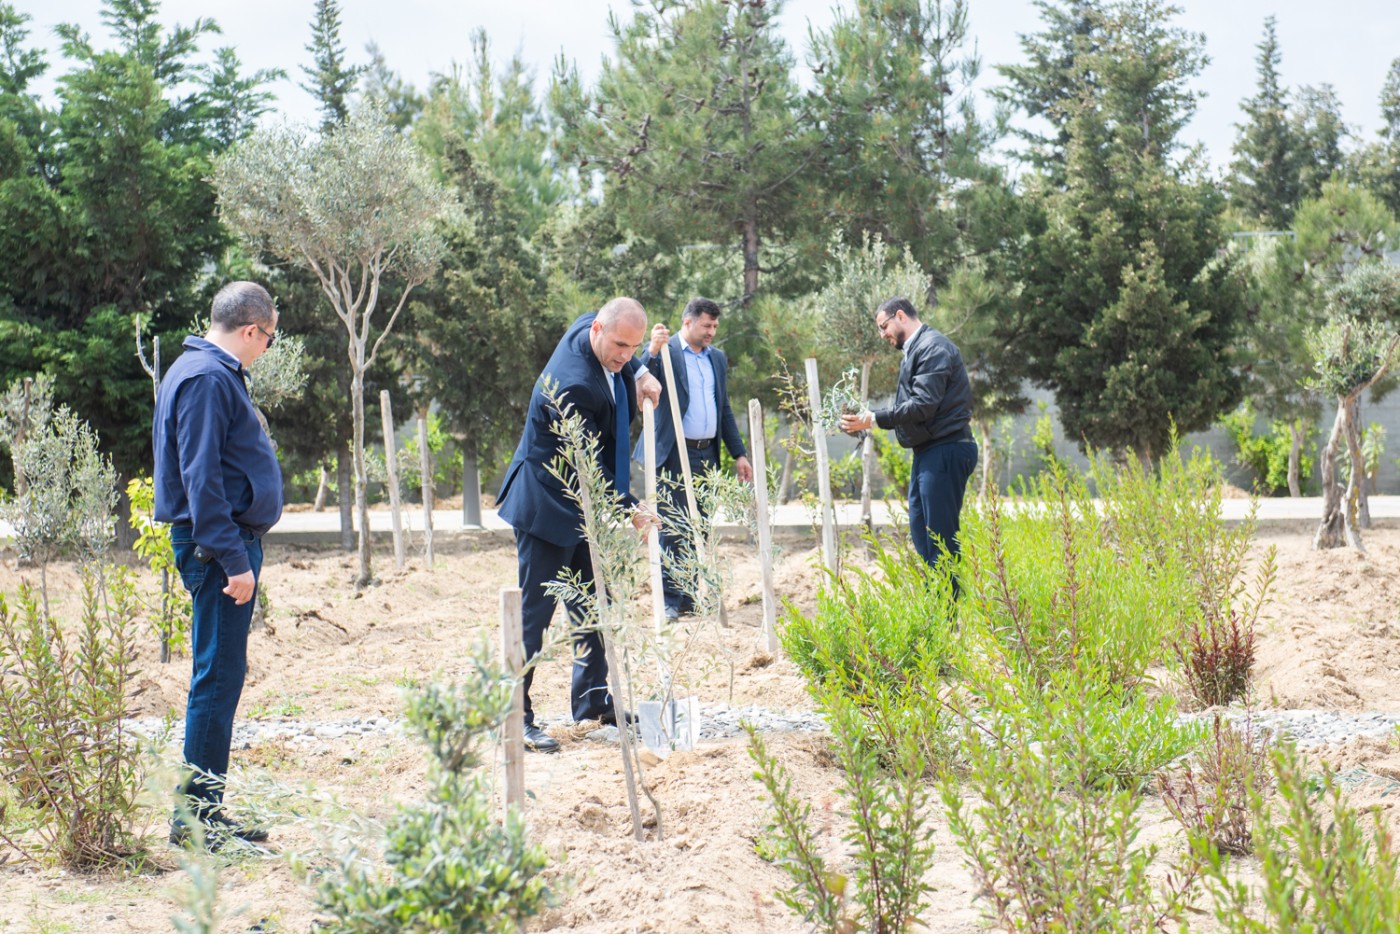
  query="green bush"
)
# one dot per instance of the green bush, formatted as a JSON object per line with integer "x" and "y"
{"x": 885, "y": 639}
{"x": 172, "y": 621}
{"x": 65, "y": 750}
{"x": 1210, "y": 793}
{"x": 451, "y": 863}
{"x": 1267, "y": 454}
{"x": 896, "y": 462}
{"x": 1325, "y": 865}
{"x": 890, "y": 845}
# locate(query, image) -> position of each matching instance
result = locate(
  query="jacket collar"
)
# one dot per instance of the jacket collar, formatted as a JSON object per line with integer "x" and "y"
{"x": 194, "y": 342}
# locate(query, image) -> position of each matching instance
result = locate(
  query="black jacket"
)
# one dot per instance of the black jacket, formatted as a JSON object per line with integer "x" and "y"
{"x": 933, "y": 401}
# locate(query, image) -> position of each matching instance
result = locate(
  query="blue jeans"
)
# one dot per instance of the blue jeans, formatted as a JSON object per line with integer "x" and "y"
{"x": 936, "y": 487}
{"x": 219, "y": 651}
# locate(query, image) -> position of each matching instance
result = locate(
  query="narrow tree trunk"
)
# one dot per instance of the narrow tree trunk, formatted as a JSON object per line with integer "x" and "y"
{"x": 322, "y": 487}
{"x": 357, "y": 399}
{"x": 984, "y": 433}
{"x": 1357, "y": 479}
{"x": 867, "y": 450}
{"x": 1330, "y": 532}
{"x": 344, "y": 483}
{"x": 750, "y": 258}
{"x": 471, "y": 487}
{"x": 1296, "y": 433}
{"x": 785, "y": 482}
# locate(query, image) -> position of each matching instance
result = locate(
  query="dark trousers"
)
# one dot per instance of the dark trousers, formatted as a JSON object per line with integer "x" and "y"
{"x": 219, "y": 651}
{"x": 936, "y": 488}
{"x": 540, "y": 563}
{"x": 672, "y": 486}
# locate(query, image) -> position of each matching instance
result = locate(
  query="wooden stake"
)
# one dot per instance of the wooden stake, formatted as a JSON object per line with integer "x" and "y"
{"x": 391, "y": 463}
{"x": 513, "y": 730}
{"x": 814, "y": 396}
{"x": 658, "y": 593}
{"x": 425, "y": 471}
{"x": 757, "y": 442}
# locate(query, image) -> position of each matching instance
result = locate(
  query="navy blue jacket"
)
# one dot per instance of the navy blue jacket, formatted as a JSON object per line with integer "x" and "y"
{"x": 667, "y": 457}
{"x": 215, "y": 468}
{"x": 933, "y": 399}
{"x": 532, "y": 499}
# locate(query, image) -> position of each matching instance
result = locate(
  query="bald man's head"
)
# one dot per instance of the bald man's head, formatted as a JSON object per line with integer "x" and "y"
{"x": 617, "y": 332}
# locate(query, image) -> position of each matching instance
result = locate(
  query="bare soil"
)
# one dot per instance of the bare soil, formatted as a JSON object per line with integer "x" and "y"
{"x": 1331, "y": 641}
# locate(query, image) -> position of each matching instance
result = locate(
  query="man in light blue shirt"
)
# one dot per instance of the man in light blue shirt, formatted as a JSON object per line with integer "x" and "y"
{"x": 702, "y": 391}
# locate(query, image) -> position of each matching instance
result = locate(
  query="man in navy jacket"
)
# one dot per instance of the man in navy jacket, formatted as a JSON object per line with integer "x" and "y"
{"x": 218, "y": 484}
{"x": 592, "y": 369}
{"x": 702, "y": 392}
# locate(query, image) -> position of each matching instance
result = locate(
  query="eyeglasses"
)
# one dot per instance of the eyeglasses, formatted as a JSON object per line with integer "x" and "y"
{"x": 270, "y": 337}
{"x": 883, "y": 324}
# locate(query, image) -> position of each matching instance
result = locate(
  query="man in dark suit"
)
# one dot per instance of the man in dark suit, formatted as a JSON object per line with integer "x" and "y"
{"x": 592, "y": 369}
{"x": 932, "y": 414}
{"x": 702, "y": 390}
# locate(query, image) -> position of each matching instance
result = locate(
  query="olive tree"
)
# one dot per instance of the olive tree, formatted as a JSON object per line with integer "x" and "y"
{"x": 858, "y": 279}
{"x": 357, "y": 204}
{"x": 1351, "y": 351}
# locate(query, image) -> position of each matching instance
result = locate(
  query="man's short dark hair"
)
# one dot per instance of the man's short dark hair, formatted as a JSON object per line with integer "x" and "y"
{"x": 891, "y": 305}
{"x": 701, "y": 306}
{"x": 240, "y": 304}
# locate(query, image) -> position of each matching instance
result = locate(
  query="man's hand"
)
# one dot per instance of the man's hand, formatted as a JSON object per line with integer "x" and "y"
{"x": 659, "y": 336}
{"x": 743, "y": 469}
{"x": 643, "y": 518}
{"x": 240, "y": 587}
{"x": 648, "y": 386}
{"x": 861, "y": 421}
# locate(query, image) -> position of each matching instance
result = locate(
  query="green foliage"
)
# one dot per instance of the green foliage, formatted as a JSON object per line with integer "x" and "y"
{"x": 1265, "y": 184}
{"x": 153, "y": 546}
{"x": 884, "y": 640}
{"x": 1210, "y": 793}
{"x": 858, "y": 279}
{"x": 1267, "y": 454}
{"x": 65, "y": 749}
{"x": 1343, "y": 225}
{"x": 1326, "y": 865}
{"x": 891, "y": 846}
{"x": 452, "y": 864}
{"x": 896, "y": 462}
{"x": 1051, "y": 837}
{"x": 841, "y": 398}
{"x": 329, "y": 78}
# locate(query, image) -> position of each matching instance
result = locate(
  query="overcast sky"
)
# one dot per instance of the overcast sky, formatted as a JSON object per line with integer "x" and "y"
{"x": 1346, "y": 43}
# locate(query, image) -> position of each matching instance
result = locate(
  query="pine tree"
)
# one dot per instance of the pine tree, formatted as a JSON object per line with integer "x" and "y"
{"x": 330, "y": 79}
{"x": 1264, "y": 180}
{"x": 1377, "y": 164}
{"x": 1318, "y": 131}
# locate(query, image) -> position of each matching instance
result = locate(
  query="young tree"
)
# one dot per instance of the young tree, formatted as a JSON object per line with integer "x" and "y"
{"x": 1127, "y": 312}
{"x": 359, "y": 207}
{"x": 1351, "y": 351}
{"x": 694, "y": 124}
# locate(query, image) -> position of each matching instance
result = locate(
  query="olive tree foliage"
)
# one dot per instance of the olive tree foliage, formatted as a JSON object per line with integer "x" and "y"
{"x": 1351, "y": 352}
{"x": 858, "y": 279}
{"x": 358, "y": 205}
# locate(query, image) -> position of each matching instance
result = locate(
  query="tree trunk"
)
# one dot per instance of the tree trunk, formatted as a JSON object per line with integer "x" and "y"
{"x": 357, "y": 399}
{"x": 984, "y": 433}
{"x": 785, "y": 481}
{"x": 867, "y": 450}
{"x": 750, "y": 259}
{"x": 471, "y": 487}
{"x": 322, "y": 487}
{"x": 344, "y": 484}
{"x": 125, "y": 534}
{"x": 1361, "y": 499}
{"x": 1330, "y": 533}
{"x": 1295, "y": 458}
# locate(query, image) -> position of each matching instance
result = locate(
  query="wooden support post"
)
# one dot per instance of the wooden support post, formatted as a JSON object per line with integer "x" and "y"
{"x": 391, "y": 463}
{"x": 658, "y": 594}
{"x": 692, "y": 506}
{"x": 814, "y": 396}
{"x": 757, "y": 443}
{"x": 425, "y": 471}
{"x": 513, "y": 730}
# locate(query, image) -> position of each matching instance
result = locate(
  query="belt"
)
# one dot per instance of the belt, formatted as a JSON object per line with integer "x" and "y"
{"x": 962, "y": 434}
{"x": 699, "y": 444}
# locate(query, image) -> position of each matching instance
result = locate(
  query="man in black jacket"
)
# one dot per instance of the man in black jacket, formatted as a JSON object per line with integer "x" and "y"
{"x": 707, "y": 419}
{"x": 932, "y": 412}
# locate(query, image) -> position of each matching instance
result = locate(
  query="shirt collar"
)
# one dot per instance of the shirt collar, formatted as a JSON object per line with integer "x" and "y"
{"x": 909, "y": 341}
{"x": 695, "y": 353}
{"x": 194, "y": 342}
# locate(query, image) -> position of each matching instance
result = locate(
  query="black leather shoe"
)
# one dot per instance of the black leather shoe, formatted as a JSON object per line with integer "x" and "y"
{"x": 537, "y": 740}
{"x": 218, "y": 830}
{"x": 609, "y": 717}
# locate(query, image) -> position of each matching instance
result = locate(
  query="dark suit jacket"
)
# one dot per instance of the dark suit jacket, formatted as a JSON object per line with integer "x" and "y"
{"x": 666, "y": 455}
{"x": 532, "y": 499}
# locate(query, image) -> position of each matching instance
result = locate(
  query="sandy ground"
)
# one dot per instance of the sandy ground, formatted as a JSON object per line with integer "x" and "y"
{"x": 1330, "y": 641}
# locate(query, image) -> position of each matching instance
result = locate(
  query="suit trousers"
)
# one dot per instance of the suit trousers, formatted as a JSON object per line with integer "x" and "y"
{"x": 219, "y": 652}
{"x": 937, "y": 484}
{"x": 702, "y": 460}
{"x": 540, "y": 563}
